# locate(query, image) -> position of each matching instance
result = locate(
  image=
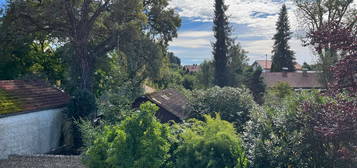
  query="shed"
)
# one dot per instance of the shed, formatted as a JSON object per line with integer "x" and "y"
{"x": 171, "y": 104}
{"x": 31, "y": 117}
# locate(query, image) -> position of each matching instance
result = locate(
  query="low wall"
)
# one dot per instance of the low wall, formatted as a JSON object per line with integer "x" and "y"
{"x": 30, "y": 133}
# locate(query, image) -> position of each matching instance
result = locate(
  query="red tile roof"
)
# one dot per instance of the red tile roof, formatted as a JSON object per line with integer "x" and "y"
{"x": 33, "y": 95}
{"x": 294, "y": 79}
{"x": 192, "y": 68}
{"x": 266, "y": 64}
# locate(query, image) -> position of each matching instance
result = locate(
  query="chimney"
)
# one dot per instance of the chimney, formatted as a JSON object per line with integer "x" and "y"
{"x": 304, "y": 72}
{"x": 285, "y": 71}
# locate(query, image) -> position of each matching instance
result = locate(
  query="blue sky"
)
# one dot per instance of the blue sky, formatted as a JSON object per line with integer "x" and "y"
{"x": 254, "y": 26}
{"x": 253, "y": 22}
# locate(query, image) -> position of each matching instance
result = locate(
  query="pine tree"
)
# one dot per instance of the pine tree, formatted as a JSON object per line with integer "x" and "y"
{"x": 222, "y": 31}
{"x": 283, "y": 56}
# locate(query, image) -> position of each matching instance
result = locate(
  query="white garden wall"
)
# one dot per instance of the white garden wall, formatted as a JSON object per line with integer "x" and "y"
{"x": 30, "y": 133}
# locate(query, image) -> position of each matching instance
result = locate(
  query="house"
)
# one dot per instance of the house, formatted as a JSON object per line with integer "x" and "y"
{"x": 31, "y": 117}
{"x": 297, "y": 80}
{"x": 266, "y": 65}
{"x": 171, "y": 104}
{"x": 192, "y": 68}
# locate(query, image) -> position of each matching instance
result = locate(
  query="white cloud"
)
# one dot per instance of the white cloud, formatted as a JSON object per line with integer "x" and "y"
{"x": 240, "y": 12}
{"x": 195, "y": 34}
{"x": 191, "y": 43}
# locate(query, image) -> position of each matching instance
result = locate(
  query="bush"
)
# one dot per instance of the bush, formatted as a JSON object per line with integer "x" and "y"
{"x": 234, "y": 104}
{"x": 282, "y": 134}
{"x": 138, "y": 141}
{"x": 213, "y": 143}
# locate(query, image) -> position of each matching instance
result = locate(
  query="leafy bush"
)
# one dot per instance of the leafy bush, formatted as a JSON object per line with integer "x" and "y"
{"x": 282, "y": 134}
{"x": 213, "y": 143}
{"x": 234, "y": 104}
{"x": 138, "y": 141}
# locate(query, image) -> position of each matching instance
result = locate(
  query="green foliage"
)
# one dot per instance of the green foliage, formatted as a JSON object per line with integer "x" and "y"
{"x": 206, "y": 75}
{"x": 8, "y": 104}
{"x": 138, "y": 141}
{"x": 234, "y": 104}
{"x": 283, "y": 56}
{"x": 282, "y": 136}
{"x": 255, "y": 83}
{"x": 238, "y": 63}
{"x": 213, "y": 143}
{"x": 222, "y": 32}
{"x": 278, "y": 92}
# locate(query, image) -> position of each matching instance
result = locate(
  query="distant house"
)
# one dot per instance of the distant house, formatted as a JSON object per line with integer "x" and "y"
{"x": 297, "y": 80}
{"x": 266, "y": 65}
{"x": 171, "y": 104}
{"x": 192, "y": 68}
{"x": 31, "y": 117}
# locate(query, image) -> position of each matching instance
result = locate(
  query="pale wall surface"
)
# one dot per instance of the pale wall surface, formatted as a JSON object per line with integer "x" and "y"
{"x": 31, "y": 133}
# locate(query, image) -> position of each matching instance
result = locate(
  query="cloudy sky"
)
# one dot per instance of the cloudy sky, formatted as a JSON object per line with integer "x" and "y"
{"x": 253, "y": 22}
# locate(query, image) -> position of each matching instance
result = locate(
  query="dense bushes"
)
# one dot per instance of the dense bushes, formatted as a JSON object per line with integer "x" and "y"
{"x": 234, "y": 104}
{"x": 213, "y": 143}
{"x": 138, "y": 141}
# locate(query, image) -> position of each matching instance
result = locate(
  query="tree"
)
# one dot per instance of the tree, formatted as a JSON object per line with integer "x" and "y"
{"x": 93, "y": 28}
{"x": 283, "y": 56}
{"x": 138, "y": 141}
{"x": 222, "y": 31}
{"x": 206, "y": 75}
{"x": 212, "y": 143}
{"x": 255, "y": 83}
{"x": 234, "y": 104}
{"x": 237, "y": 64}
{"x": 317, "y": 15}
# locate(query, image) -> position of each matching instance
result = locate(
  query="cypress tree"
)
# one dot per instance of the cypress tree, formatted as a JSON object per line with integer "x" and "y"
{"x": 283, "y": 56}
{"x": 222, "y": 31}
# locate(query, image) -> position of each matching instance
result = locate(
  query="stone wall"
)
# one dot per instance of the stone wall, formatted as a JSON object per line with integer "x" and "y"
{"x": 30, "y": 133}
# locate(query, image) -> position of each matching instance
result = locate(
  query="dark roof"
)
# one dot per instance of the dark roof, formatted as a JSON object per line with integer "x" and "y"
{"x": 42, "y": 161}
{"x": 294, "y": 79}
{"x": 32, "y": 95}
{"x": 266, "y": 64}
{"x": 171, "y": 100}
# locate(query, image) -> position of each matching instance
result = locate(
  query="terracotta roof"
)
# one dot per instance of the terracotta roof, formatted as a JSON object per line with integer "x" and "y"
{"x": 294, "y": 79}
{"x": 192, "y": 68}
{"x": 171, "y": 100}
{"x": 266, "y": 64}
{"x": 32, "y": 95}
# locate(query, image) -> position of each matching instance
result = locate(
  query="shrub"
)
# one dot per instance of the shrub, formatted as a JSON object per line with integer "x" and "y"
{"x": 234, "y": 104}
{"x": 282, "y": 135}
{"x": 213, "y": 143}
{"x": 138, "y": 141}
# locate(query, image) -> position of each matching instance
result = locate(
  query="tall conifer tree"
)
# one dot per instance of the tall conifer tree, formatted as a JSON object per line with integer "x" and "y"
{"x": 283, "y": 56}
{"x": 222, "y": 31}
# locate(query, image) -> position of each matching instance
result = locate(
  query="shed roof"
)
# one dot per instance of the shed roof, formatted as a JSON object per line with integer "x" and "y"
{"x": 171, "y": 100}
{"x": 294, "y": 79}
{"x": 29, "y": 96}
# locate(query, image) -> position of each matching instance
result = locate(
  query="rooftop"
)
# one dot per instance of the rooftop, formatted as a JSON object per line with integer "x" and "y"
{"x": 23, "y": 96}
{"x": 171, "y": 100}
{"x": 294, "y": 79}
{"x": 266, "y": 64}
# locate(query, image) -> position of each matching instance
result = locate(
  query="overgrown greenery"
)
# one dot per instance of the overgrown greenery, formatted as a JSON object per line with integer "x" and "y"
{"x": 233, "y": 104}
{"x": 210, "y": 143}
